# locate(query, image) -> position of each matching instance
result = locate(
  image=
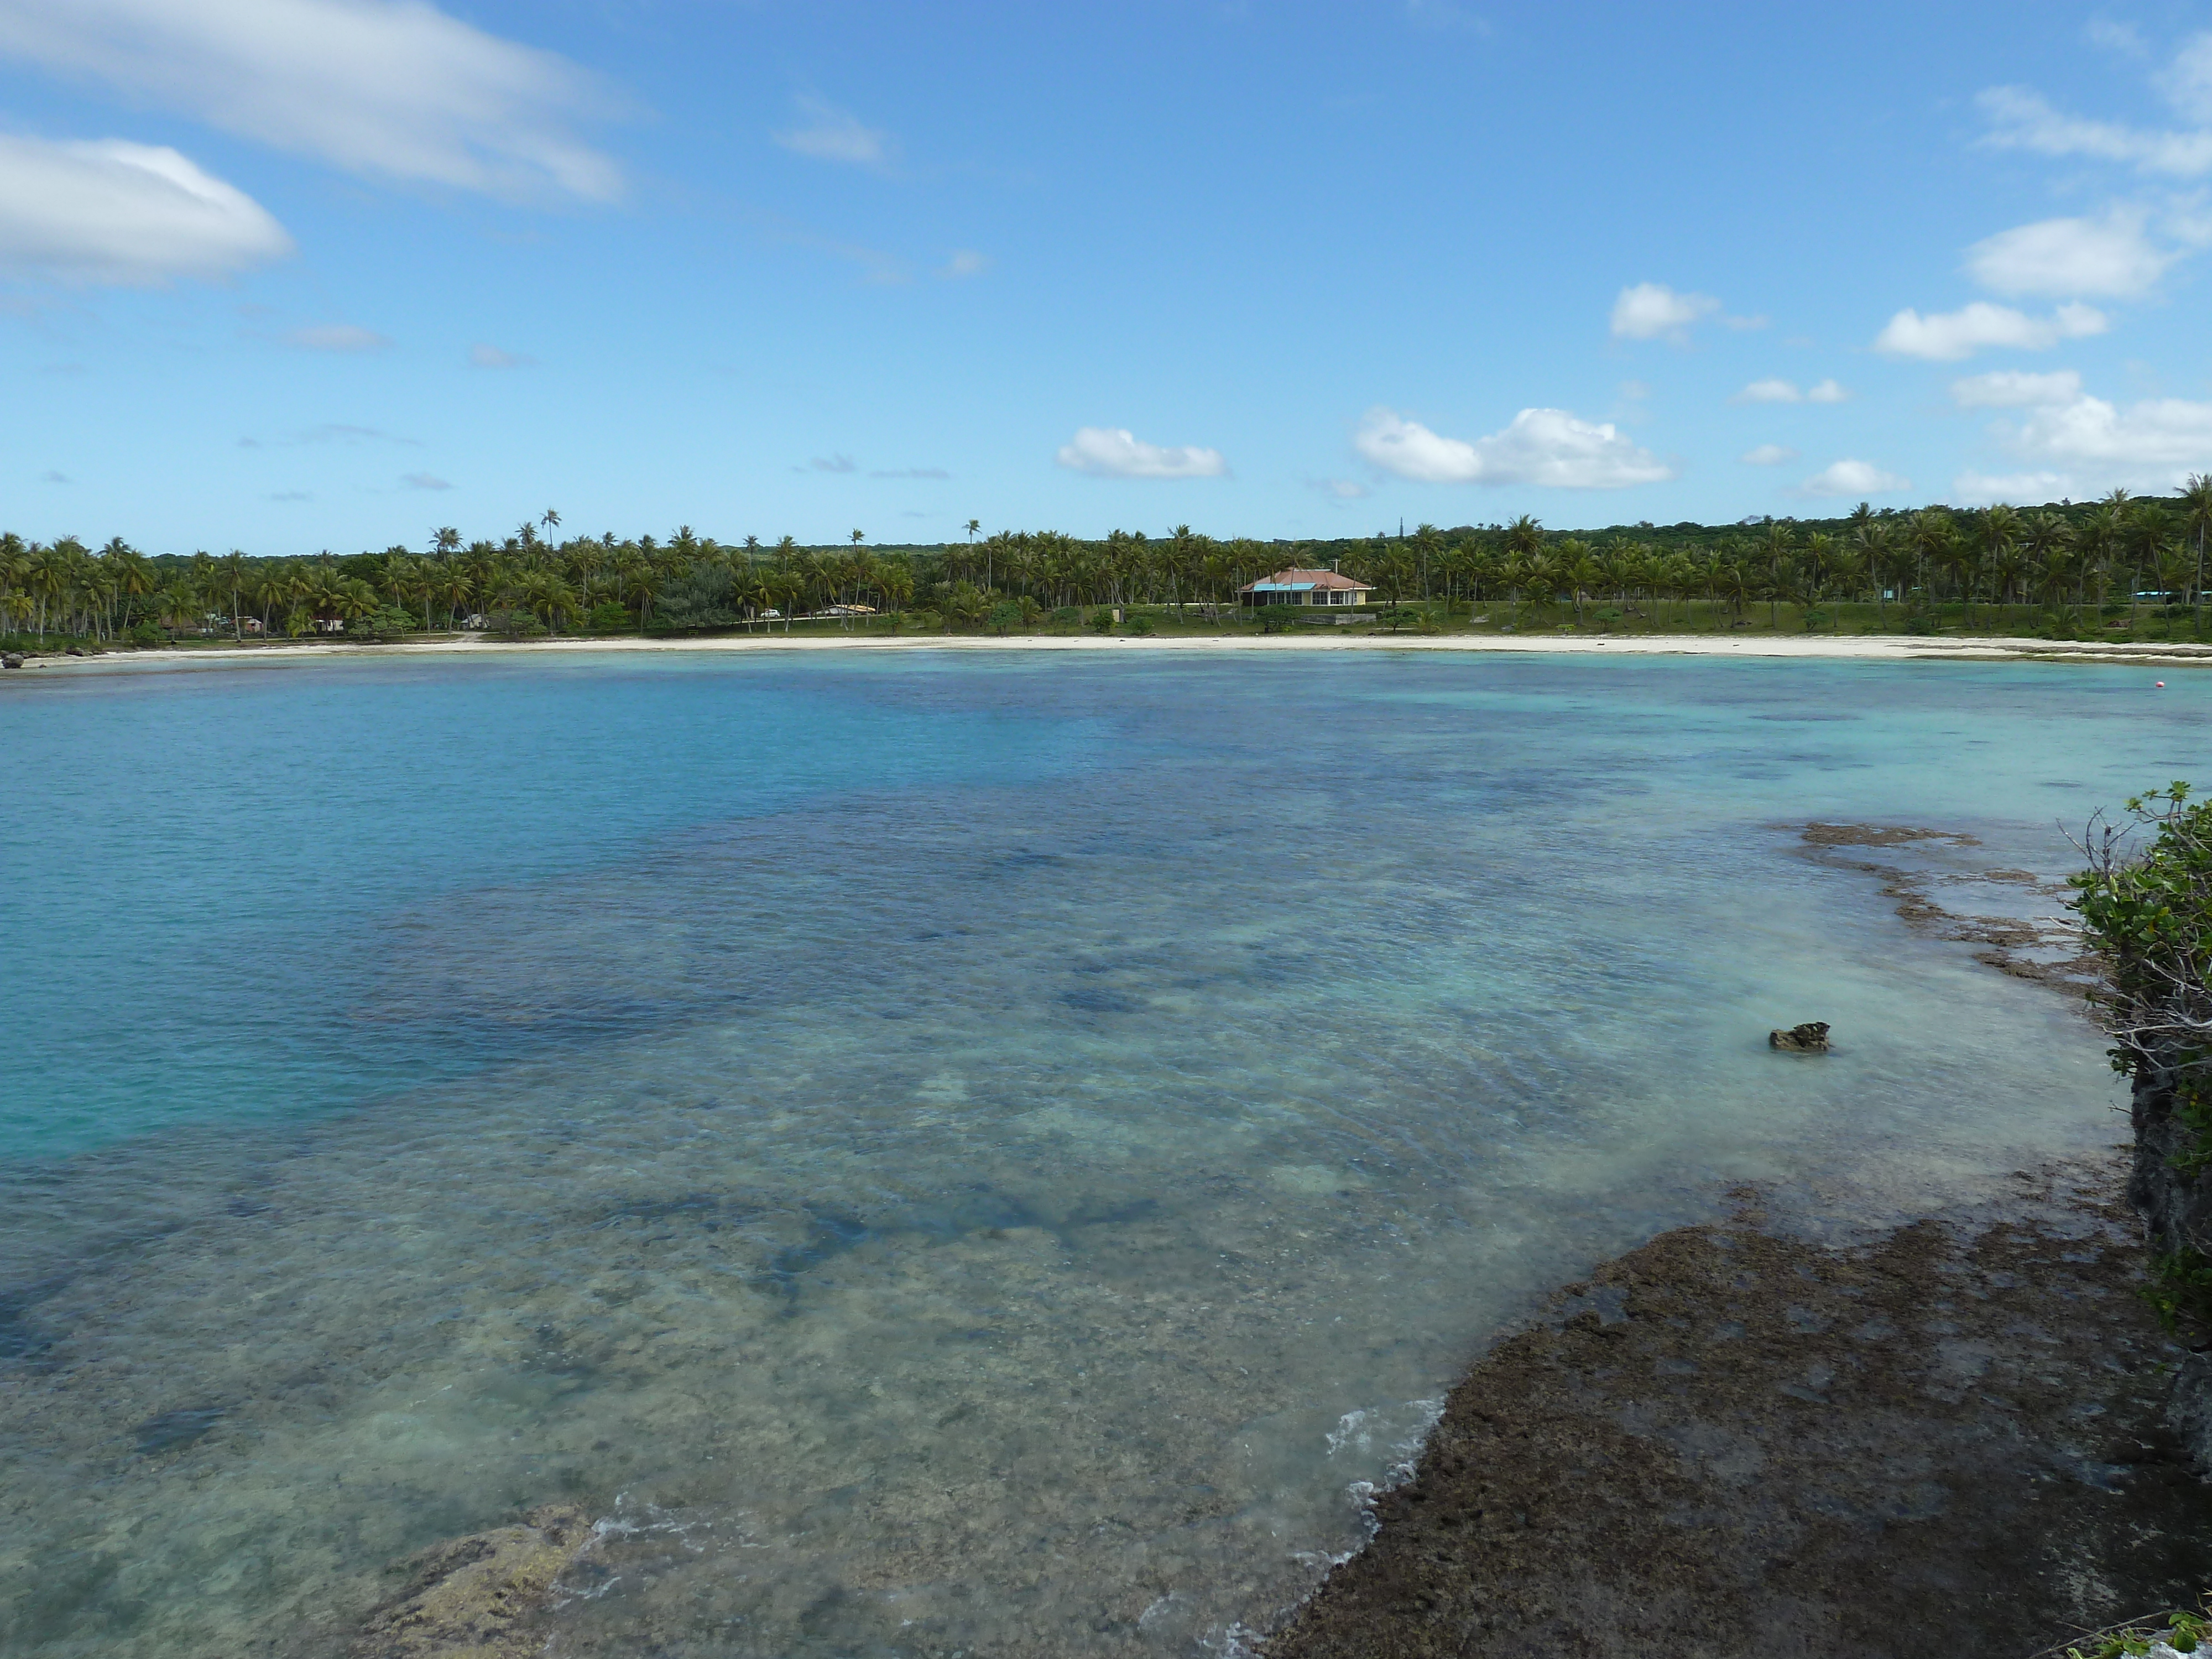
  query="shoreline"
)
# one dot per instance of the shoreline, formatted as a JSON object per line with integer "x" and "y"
{"x": 1886, "y": 648}
{"x": 1734, "y": 1440}
{"x": 1960, "y": 1432}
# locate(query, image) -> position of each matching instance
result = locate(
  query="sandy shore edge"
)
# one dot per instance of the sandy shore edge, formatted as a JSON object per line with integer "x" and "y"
{"x": 1858, "y": 647}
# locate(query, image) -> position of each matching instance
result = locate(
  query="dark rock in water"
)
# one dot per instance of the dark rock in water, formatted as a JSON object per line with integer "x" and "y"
{"x": 1810, "y": 1038}
{"x": 75, "y": 651}
{"x": 477, "y": 1596}
{"x": 11, "y": 660}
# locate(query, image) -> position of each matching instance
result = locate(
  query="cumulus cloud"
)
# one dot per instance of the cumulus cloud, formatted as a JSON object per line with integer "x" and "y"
{"x": 2021, "y": 118}
{"x": 1981, "y": 489}
{"x": 338, "y": 336}
{"x": 388, "y": 89}
{"x": 1768, "y": 455}
{"x": 1541, "y": 446}
{"x": 2066, "y": 259}
{"x": 111, "y": 212}
{"x": 965, "y": 262}
{"x": 2015, "y": 389}
{"x": 1849, "y": 478}
{"x": 1116, "y": 452}
{"x": 834, "y": 135}
{"x": 1946, "y": 337}
{"x": 490, "y": 357}
{"x": 425, "y": 480}
{"x": 2157, "y": 443}
{"x": 1651, "y": 310}
{"x": 1827, "y": 392}
{"x": 1340, "y": 489}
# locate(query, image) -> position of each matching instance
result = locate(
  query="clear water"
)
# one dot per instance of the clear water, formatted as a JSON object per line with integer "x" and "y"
{"x": 965, "y": 1153}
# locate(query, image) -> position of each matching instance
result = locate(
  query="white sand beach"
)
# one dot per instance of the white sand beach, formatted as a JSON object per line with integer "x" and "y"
{"x": 1884, "y": 648}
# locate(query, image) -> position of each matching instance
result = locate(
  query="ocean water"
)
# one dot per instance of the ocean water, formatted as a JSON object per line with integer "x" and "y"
{"x": 943, "y": 1154}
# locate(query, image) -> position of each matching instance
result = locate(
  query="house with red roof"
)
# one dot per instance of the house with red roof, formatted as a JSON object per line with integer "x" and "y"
{"x": 1305, "y": 588}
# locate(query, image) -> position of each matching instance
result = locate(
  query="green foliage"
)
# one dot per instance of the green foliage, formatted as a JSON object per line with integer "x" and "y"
{"x": 515, "y": 625}
{"x": 2184, "y": 1632}
{"x": 385, "y": 624}
{"x": 2119, "y": 567}
{"x": 2148, "y": 915}
{"x": 1102, "y": 619}
{"x": 1004, "y": 614}
{"x": 1140, "y": 624}
{"x": 608, "y": 617}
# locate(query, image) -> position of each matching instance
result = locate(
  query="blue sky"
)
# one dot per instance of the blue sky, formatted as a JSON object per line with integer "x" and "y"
{"x": 283, "y": 274}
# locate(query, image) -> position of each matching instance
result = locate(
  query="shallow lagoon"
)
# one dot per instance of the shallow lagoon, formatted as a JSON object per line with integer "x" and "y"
{"x": 965, "y": 1153}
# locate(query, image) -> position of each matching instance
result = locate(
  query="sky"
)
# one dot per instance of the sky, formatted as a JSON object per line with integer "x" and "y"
{"x": 289, "y": 275}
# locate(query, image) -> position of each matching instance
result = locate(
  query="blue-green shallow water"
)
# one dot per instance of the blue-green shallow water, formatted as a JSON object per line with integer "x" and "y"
{"x": 945, "y": 1152}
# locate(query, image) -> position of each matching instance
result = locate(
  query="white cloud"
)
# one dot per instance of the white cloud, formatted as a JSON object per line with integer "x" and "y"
{"x": 1768, "y": 455}
{"x": 834, "y": 135}
{"x": 2187, "y": 82}
{"x": 2156, "y": 443}
{"x": 2015, "y": 389}
{"x": 389, "y": 89}
{"x": 1849, "y": 478}
{"x": 1946, "y": 337}
{"x": 1116, "y": 452}
{"x": 2114, "y": 34}
{"x": 490, "y": 357}
{"x": 1770, "y": 392}
{"x": 1651, "y": 310}
{"x": 1980, "y": 488}
{"x": 1785, "y": 392}
{"x": 2065, "y": 258}
{"x": 1541, "y": 446}
{"x": 108, "y": 211}
{"x": 338, "y": 336}
{"x": 425, "y": 480}
{"x": 2021, "y": 119}
{"x": 965, "y": 262}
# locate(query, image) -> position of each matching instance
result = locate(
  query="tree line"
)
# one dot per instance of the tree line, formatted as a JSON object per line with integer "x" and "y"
{"x": 2070, "y": 559}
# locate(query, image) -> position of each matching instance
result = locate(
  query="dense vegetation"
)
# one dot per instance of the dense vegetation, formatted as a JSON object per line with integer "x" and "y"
{"x": 2085, "y": 569}
{"x": 2147, "y": 911}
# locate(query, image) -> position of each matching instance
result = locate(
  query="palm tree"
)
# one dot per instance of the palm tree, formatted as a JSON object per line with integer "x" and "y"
{"x": 2195, "y": 517}
{"x": 48, "y": 580}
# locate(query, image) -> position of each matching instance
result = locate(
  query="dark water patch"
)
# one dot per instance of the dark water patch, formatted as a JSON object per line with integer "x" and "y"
{"x": 173, "y": 1430}
{"x": 1101, "y": 1002}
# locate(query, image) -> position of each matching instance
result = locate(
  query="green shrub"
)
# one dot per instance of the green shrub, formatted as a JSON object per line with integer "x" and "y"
{"x": 514, "y": 625}
{"x": 385, "y": 624}
{"x": 609, "y": 617}
{"x": 2148, "y": 915}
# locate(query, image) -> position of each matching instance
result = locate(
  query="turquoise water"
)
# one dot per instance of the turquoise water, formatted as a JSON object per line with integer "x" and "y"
{"x": 944, "y": 1153}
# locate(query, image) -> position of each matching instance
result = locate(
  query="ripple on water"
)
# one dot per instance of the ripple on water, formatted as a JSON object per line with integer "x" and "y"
{"x": 984, "y": 1155}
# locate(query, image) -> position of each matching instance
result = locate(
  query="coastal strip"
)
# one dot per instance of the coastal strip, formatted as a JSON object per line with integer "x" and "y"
{"x": 1732, "y": 1441}
{"x": 1886, "y": 648}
